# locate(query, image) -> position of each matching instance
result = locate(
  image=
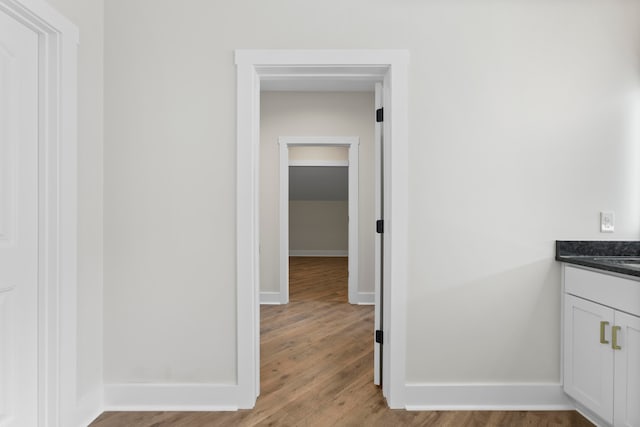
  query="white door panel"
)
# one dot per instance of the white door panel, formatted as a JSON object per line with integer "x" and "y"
{"x": 18, "y": 224}
{"x": 377, "y": 348}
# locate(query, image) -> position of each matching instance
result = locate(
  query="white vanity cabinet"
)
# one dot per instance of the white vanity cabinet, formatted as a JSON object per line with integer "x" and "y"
{"x": 602, "y": 345}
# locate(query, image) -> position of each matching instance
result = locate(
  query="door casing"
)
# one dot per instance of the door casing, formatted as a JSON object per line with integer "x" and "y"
{"x": 388, "y": 66}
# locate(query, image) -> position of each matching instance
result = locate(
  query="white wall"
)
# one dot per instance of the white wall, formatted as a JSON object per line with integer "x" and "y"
{"x": 318, "y": 225}
{"x": 523, "y": 125}
{"x": 317, "y": 153}
{"x": 88, "y": 15}
{"x": 315, "y": 114}
{"x": 169, "y": 195}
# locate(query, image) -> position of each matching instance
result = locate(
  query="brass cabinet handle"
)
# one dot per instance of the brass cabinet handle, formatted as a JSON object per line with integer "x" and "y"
{"x": 602, "y": 326}
{"x": 614, "y": 338}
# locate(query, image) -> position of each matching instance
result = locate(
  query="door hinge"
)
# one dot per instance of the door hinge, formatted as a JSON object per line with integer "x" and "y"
{"x": 379, "y": 337}
{"x": 380, "y": 226}
{"x": 379, "y": 115}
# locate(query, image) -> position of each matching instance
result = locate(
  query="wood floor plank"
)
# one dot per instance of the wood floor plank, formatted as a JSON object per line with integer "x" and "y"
{"x": 317, "y": 369}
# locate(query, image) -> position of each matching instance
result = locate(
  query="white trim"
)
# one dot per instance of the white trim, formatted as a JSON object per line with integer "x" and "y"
{"x": 43, "y": 19}
{"x": 247, "y": 235}
{"x": 319, "y": 253}
{"x": 283, "y": 225}
{"x": 390, "y": 65}
{"x": 485, "y": 397}
{"x": 271, "y": 298}
{"x": 170, "y": 397}
{"x": 327, "y": 163}
{"x": 589, "y": 414}
{"x": 312, "y": 141}
{"x": 377, "y": 264}
{"x": 284, "y": 62}
{"x": 90, "y": 407}
{"x": 57, "y": 342}
{"x": 366, "y": 298}
{"x": 353, "y": 263}
{"x": 396, "y": 238}
{"x": 352, "y": 143}
{"x": 562, "y": 299}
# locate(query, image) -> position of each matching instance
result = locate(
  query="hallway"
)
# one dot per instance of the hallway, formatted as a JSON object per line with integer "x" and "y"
{"x": 317, "y": 368}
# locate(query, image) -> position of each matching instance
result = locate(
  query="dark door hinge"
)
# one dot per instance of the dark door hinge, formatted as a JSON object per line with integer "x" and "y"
{"x": 380, "y": 226}
{"x": 379, "y": 337}
{"x": 379, "y": 115}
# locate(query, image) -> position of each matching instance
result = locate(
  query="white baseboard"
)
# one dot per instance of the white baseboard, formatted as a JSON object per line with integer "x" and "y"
{"x": 588, "y": 414}
{"x": 327, "y": 253}
{"x": 274, "y": 298}
{"x": 271, "y": 298}
{"x": 366, "y": 298}
{"x": 171, "y": 397}
{"x": 496, "y": 397}
{"x": 89, "y": 407}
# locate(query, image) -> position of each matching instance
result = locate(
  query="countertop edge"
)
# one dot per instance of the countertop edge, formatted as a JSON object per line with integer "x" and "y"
{"x": 598, "y": 266}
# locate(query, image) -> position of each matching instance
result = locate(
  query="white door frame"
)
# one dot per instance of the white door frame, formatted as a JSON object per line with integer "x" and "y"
{"x": 377, "y": 277}
{"x": 57, "y": 208}
{"x": 389, "y": 66}
{"x": 352, "y": 143}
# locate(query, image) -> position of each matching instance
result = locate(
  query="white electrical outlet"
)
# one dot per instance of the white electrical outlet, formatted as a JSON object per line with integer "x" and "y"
{"x": 607, "y": 222}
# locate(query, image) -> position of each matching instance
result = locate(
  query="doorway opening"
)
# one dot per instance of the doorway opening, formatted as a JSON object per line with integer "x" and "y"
{"x": 319, "y": 68}
{"x": 286, "y": 165}
{"x": 306, "y": 213}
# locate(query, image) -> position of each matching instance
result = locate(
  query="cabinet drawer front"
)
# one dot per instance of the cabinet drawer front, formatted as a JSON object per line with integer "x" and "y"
{"x": 616, "y": 292}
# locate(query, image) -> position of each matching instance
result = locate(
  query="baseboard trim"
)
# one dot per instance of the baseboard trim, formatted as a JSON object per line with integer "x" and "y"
{"x": 588, "y": 414}
{"x": 171, "y": 397}
{"x": 89, "y": 407}
{"x": 274, "y": 298}
{"x": 319, "y": 253}
{"x": 496, "y": 397}
{"x": 366, "y": 298}
{"x": 270, "y": 298}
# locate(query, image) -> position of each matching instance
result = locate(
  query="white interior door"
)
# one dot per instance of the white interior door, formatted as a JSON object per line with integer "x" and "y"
{"x": 18, "y": 224}
{"x": 379, "y": 201}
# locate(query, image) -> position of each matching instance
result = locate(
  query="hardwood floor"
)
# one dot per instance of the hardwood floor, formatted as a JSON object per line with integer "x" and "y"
{"x": 317, "y": 369}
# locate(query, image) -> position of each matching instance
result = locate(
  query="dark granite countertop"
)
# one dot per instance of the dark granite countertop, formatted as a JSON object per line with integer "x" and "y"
{"x": 616, "y": 256}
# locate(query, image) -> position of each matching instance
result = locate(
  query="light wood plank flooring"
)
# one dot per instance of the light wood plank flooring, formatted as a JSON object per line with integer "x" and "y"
{"x": 317, "y": 369}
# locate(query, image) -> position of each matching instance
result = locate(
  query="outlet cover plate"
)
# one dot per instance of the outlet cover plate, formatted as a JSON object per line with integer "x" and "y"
{"x": 607, "y": 222}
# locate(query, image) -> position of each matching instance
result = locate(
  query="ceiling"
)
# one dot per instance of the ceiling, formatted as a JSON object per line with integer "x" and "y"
{"x": 318, "y": 183}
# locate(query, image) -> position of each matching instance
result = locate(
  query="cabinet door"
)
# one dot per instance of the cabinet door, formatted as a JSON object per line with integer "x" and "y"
{"x": 588, "y": 363}
{"x": 627, "y": 371}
